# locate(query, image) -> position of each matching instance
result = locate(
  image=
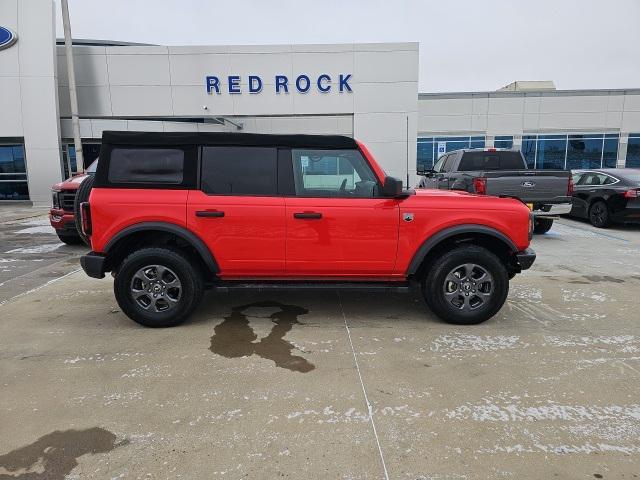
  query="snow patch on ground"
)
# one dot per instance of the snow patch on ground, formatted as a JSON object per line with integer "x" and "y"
{"x": 45, "y": 248}
{"x": 474, "y": 343}
{"x": 48, "y": 230}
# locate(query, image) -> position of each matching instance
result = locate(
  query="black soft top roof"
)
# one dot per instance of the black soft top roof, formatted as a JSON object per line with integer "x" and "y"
{"x": 215, "y": 138}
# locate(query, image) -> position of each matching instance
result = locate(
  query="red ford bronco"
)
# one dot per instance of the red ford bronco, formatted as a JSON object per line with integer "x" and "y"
{"x": 170, "y": 214}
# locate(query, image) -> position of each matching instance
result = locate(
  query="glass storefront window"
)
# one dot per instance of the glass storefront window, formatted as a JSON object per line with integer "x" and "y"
{"x": 503, "y": 141}
{"x": 550, "y": 153}
{"x": 575, "y": 151}
{"x": 90, "y": 152}
{"x": 428, "y": 148}
{"x": 633, "y": 151}
{"x": 13, "y": 173}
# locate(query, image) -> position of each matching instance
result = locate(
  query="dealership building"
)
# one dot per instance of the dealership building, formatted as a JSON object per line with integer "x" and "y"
{"x": 369, "y": 91}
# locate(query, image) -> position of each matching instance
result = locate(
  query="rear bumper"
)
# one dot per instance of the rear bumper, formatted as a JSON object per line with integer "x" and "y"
{"x": 93, "y": 264}
{"x": 553, "y": 210}
{"x": 526, "y": 258}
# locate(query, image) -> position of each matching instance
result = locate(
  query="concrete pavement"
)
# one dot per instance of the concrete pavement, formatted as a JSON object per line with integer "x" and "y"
{"x": 270, "y": 385}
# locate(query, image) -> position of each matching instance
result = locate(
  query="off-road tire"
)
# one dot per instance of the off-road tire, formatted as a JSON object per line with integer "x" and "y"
{"x": 82, "y": 195}
{"x": 542, "y": 225}
{"x": 599, "y": 214}
{"x": 435, "y": 284}
{"x": 178, "y": 264}
{"x": 70, "y": 238}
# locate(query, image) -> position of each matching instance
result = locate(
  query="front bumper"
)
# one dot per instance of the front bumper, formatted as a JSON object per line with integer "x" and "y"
{"x": 526, "y": 258}
{"x": 553, "y": 210}
{"x": 62, "y": 221}
{"x": 93, "y": 264}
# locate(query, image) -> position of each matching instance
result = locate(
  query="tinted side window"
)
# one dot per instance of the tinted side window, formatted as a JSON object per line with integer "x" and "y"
{"x": 239, "y": 170}
{"x": 438, "y": 166}
{"x": 146, "y": 165}
{"x": 333, "y": 173}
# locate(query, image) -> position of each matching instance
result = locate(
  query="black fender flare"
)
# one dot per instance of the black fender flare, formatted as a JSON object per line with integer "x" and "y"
{"x": 435, "y": 239}
{"x": 186, "y": 235}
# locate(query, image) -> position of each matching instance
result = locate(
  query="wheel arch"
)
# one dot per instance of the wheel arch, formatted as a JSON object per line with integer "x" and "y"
{"x": 164, "y": 233}
{"x": 481, "y": 235}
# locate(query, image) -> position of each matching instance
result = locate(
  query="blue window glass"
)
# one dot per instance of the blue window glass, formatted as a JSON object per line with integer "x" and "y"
{"x": 610, "y": 151}
{"x": 13, "y": 173}
{"x": 550, "y": 153}
{"x": 633, "y": 151}
{"x": 529, "y": 145}
{"x": 584, "y": 152}
{"x": 425, "y": 154}
{"x": 503, "y": 141}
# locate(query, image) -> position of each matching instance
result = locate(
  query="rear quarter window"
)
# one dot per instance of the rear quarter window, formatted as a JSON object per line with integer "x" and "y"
{"x": 146, "y": 165}
{"x": 491, "y": 161}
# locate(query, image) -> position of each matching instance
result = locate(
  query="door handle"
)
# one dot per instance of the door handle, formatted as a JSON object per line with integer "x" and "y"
{"x": 308, "y": 215}
{"x": 209, "y": 213}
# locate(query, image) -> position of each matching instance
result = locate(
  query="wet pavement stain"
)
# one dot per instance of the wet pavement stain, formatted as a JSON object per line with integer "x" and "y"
{"x": 53, "y": 456}
{"x": 234, "y": 337}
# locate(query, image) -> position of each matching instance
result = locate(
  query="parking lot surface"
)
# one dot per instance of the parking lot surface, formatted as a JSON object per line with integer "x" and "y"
{"x": 331, "y": 384}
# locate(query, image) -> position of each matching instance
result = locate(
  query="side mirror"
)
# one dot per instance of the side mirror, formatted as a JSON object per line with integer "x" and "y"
{"x": 429, "y": 173}
{"x": 392, "y": 187}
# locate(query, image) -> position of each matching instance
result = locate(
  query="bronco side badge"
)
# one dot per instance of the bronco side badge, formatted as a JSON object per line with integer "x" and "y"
{"x": 407, "y": 217}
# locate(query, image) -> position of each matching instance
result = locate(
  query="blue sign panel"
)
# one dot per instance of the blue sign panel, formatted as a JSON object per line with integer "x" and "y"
{"x": 7, "y": 38}
{"x": 282, "y": 84}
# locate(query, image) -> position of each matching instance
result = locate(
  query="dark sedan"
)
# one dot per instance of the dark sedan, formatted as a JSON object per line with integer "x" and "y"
{"x": 607, "y": 195}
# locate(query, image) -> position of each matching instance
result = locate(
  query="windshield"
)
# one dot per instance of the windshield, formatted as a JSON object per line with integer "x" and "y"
{"x": 92, "y": 168}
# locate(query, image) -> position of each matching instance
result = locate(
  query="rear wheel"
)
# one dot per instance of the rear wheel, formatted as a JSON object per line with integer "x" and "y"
{"x": 466, "y": 285}
{"x": 158, "y": 287}
{"x": 82, "y": 195}
{"x": 599, "y": 215}
{"x": 70, "y": 238}
{"x": 542, "y": 225}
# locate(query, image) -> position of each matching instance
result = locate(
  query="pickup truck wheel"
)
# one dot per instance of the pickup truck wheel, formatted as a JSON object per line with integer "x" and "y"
{"x": 466, "y": 285}
{"x": 542, "y": 225}
{"x": 599, "y": 215}
{"x": 158, "y": 287}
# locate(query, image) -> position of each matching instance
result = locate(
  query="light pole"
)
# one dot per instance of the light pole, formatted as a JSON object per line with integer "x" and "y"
{"x": 73, "y": 97}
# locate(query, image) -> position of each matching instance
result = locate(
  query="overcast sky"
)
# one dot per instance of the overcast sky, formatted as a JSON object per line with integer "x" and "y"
{"x": 465, "y": 45}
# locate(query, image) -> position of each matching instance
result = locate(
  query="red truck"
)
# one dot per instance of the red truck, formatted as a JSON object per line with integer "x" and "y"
{"x": 65, "y": 202}
{"x": 170, "y": 214}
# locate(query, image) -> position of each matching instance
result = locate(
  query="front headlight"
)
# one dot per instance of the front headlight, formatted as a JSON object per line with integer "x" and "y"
{"x": 55, "y": 198}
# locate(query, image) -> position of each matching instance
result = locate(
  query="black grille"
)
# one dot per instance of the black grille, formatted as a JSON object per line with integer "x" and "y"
{"x": 67, "y": 198}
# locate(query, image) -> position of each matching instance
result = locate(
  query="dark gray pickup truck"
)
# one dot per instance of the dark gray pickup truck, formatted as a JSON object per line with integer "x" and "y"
{"x": 504, "y": 173}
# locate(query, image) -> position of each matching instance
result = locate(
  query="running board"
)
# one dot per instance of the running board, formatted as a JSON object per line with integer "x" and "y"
{"x": 403, "y": 287}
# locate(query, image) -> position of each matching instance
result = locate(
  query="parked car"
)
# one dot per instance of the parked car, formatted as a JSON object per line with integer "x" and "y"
{"x": 64, "y": 206}
{"x": 172, "y": 213}
{"x": 503, "y": 172}
{"x": 607, "y": 196}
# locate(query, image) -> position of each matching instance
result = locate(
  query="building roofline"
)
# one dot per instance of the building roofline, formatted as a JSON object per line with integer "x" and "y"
{"x": 539, "y": 93}
{"x": 89, "y": 42}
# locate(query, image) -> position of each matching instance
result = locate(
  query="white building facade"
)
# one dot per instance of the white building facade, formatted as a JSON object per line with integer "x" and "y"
{"x": 364, "y": 90}
{"x": 369, "y": 91}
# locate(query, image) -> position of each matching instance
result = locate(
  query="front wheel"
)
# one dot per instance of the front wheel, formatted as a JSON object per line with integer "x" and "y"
{"x": 158, "y": 287}
{"x": 542, "y": 225}
{"x": 70, "y": 238}
{"x": 466, "y": 285}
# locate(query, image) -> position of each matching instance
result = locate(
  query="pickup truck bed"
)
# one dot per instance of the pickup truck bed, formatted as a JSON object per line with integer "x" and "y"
{"x": 502, "y": 173}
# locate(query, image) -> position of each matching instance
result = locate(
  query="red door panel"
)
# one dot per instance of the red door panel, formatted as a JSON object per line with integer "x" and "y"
{"x": 246, "y": 234}
{"x": 341, "y": 236}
